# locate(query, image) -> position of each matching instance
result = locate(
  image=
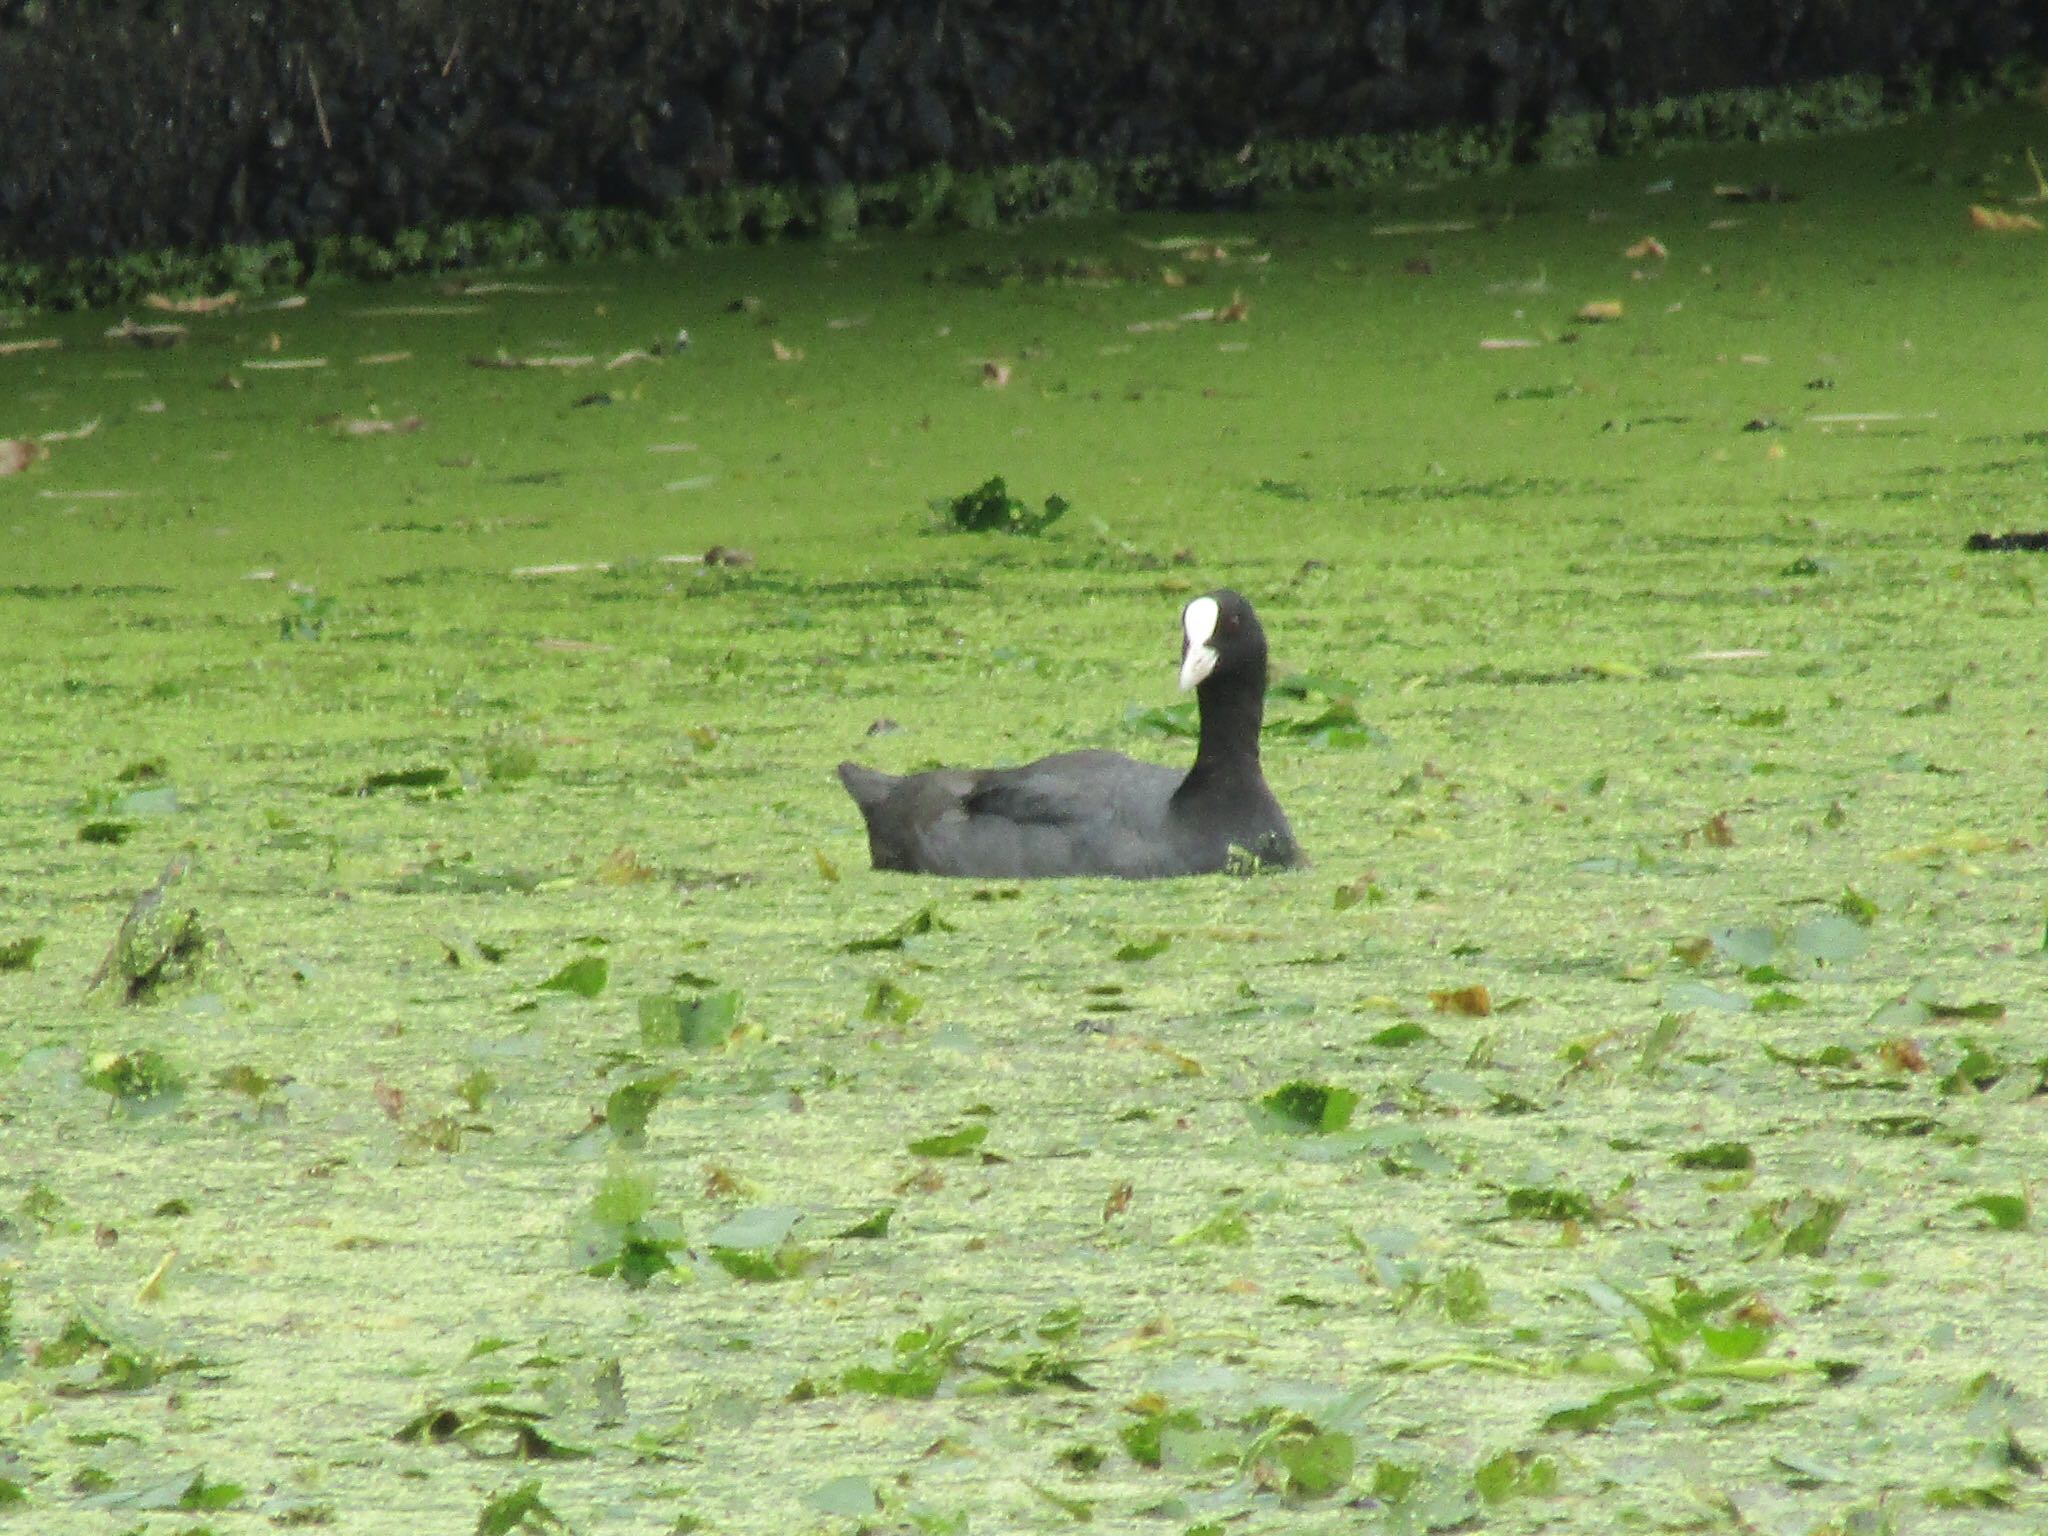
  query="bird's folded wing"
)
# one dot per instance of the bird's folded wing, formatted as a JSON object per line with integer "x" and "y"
{"x": 1020, "y": 795}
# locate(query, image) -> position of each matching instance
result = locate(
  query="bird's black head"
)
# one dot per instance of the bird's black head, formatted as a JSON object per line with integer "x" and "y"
{"x": 1220, "y": 634}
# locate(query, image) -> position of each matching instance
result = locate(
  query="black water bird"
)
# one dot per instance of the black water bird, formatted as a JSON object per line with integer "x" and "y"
{"x": 1097, "y": 812}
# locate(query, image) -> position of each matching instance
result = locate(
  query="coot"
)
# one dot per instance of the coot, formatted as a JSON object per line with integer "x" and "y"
{"x": 1101, "y": 813}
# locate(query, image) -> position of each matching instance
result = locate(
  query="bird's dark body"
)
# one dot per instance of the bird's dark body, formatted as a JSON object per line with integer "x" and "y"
{"x": 1097, "y": 812}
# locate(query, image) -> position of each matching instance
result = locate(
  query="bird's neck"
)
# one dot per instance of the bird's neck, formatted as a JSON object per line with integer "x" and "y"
{"x": 1229, "y": 744}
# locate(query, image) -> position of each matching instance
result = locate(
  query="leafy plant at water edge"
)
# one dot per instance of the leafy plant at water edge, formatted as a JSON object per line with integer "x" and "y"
{"x": 940, "y": 196}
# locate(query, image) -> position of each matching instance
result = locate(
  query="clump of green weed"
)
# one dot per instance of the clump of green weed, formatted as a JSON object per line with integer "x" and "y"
{"x": 990, "y": 508}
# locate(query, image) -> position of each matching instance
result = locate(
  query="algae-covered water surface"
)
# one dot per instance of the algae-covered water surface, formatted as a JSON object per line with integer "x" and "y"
{"x": 508, "y": 1096}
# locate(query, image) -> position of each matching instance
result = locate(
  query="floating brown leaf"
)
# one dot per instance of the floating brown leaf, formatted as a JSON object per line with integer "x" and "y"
{"x": 1646, "y": 248}
{"x": 197, "y": 304}
{"x": 1719, "y": 831}
{"x": 1903, "y": 1055}
{"x": 623, "y": 867}
{"x": 1599, "y": 311}
{"x": 17, "y": 453}
{"x": 371, "y": 426}
{"x": 2000, "y": 221}
{"x": 505, "y": 360}
{"x": 146, "y": 335}
{"x": 995, "y": 375}
{"x": 1474, "y": 1002}
{"x": 785, "y": 354}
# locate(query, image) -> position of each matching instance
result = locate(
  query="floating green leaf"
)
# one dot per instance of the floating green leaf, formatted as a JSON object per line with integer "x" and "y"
{"x": 1317, "y": 1462}
{"x": 429, "y": 777}
{"x": 957, "y": 1142}
{"x": 1363, "y": 889}
{"x": 1166, "y": 720}
{"x": 617, "y": 1235}
{"x": 1515, "y": 1475}
{"x": 2008, "y": 1213}
{"x": 1685, "y": 996}
{"x": 520, "y": 1508}
{"x": 704, "y": 1022}
{"x": 890, "y": 1002}
{"x": 1799, "y": 1226}
{"x": 919, "y": 1360}
{"x": 306, "y": 618}
{"x": 875, "y": 1224}
{"x": 1142, "y": 1438}
{"x": 1983, "y": 1011}
{"x": 20, "y": 954}
{"x": 134, "y": 1078}
{"x": 1316, "y": 1108}
{"x": 1395, "y": 1036}
{"x": 849, "y": 1496}
{"x": 1833, "y": 939}
{"x": 1722, "y": 1156}
{"x": 585, "y": 976}
{"x": 925, "y": 920}
{"x": 1228, "y": 1228}
{"x": 628, "y": 1106}
{"x": 1548, "y": 1202}
{"x": 1749, "y": 945}
{"x": 1777, "y": 1000}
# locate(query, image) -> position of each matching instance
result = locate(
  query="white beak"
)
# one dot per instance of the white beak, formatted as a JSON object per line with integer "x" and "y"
{"x": 1198, "y": 657}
